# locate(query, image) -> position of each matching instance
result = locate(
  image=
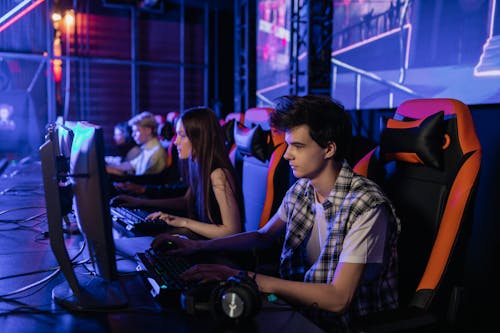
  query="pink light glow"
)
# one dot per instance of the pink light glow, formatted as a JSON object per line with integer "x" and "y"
{"x": 20, "y": 14}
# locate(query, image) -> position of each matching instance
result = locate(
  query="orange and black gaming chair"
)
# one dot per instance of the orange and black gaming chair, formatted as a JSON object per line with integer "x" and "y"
{"x": 428, "y": 162}
{"x": 228, "y": 124}
{"x": 265, "y": 174}
{"x": 237, "y": 116}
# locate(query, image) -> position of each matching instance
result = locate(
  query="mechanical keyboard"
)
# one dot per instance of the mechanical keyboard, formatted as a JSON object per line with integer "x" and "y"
{"x": 134, "y": 220}
{"x": 163, "y": 274}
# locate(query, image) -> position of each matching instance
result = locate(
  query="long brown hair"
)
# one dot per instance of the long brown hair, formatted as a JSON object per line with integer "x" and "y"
{"x": 209, "y": 152}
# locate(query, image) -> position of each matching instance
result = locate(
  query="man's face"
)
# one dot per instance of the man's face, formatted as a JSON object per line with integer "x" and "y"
{"x": 141, "y": 134}
{"x": 306, "y": 158}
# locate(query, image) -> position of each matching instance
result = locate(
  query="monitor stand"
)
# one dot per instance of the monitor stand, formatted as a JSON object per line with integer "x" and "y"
{"x": 94, "y": 294}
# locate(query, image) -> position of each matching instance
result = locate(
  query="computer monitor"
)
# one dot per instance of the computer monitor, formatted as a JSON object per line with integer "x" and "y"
{"x": 84, "y": 292}
{"x": 63, "y": 136}
{"x": 57, "y": 149}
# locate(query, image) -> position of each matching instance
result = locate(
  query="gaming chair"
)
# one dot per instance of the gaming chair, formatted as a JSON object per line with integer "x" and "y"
{"x": 427, "y": 162}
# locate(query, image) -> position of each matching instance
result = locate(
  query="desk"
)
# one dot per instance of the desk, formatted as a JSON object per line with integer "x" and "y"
{"x": 23, "y": 249}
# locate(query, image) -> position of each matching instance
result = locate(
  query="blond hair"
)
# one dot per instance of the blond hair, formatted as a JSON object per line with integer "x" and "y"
{"x": 144, "y": 119}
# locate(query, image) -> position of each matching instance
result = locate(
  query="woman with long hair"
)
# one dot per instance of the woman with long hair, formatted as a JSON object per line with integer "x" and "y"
{"x": 214, "y": 201}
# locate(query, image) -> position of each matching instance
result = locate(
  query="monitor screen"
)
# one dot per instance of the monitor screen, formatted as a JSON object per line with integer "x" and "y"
{"x": 88, "y": 178}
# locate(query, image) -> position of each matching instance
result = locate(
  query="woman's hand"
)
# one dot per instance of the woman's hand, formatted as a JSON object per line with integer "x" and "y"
{"x": 172, "y": 220}
{"x": 126, "y": 201}
{"x": 209, "y": 272}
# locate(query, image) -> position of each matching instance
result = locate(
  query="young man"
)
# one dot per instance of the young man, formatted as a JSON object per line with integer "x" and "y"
{"x": 339, "y": 256}
{"x": 152, "y": 159}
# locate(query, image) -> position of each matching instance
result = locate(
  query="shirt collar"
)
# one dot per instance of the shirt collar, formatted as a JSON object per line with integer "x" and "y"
{"x": 337, "y": 194}
{"x": 150, "y": 144}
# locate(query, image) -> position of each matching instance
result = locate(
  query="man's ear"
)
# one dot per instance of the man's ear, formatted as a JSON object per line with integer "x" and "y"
{"x": 330, "y": 150}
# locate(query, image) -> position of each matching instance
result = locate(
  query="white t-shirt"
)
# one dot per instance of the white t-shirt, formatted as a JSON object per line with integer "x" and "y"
{"x": 151, "y": 160}
{"x": 363, "y": 244}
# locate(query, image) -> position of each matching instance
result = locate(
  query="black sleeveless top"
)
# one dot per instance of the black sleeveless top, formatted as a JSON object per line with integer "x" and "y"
{"x": 215, "y": 208}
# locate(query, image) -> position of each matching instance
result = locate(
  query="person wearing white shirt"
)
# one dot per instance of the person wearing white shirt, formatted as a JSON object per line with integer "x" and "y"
{"x": 153, "y": 157}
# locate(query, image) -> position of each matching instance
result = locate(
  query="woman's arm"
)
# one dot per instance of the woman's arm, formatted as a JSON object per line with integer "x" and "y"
{"x": 177, "y": 203}
{"x": 222, "y": 185}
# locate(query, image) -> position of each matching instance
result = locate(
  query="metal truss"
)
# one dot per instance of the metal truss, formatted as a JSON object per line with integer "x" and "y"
{"x": 310, "y": 47}
{"x": 244, "y": 55}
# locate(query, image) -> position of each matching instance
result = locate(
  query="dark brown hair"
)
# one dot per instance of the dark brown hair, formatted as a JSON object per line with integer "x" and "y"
{"x": 209, "y": 152}
{"x": 326, "y": 118}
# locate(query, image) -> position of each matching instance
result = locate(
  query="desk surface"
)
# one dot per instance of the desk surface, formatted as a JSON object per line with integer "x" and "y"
{"x": 26, "y": 259}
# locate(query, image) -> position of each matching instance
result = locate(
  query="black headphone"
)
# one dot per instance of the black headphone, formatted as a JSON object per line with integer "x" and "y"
{"x": 231, "y": 301}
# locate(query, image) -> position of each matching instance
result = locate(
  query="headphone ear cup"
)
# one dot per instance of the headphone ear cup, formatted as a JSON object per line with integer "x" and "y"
{"x": 236, "y": 299}
{"x": 231, "y": 301}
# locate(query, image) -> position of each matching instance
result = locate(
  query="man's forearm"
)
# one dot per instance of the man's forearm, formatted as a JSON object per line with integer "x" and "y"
{"x": 250, "y": 240}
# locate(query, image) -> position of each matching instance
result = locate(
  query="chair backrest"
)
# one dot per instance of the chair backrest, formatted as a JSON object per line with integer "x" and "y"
{"x": 265, "y": 174}
{"x": 428, "y": 162}
{"x": 228, "y": 124}
{"x": 171, "y": 117}
{"x": 237, "y": 116}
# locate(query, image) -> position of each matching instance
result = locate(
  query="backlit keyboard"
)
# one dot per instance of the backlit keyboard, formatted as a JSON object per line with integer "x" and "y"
{"x": 163, "y": 272}
{"x": 134, "y": 220}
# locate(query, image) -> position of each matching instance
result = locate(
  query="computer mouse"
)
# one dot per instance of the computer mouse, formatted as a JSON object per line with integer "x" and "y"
{"x": 166, "y": 246}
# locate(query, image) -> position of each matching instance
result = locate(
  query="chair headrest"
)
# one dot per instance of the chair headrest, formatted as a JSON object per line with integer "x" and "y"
{"x": 258, "y": 116}
{"x": 228, "y": 129}
{"x": 171, "y": 116}
{"x": 238, "y": 116}
{"x": 418, "y": 141}
{"x": 253, "y": 141}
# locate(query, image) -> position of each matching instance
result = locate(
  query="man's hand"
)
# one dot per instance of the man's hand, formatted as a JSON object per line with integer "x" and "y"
{"x": 114, "y": 171}
{"x": 209, "y": 272}
{"x": 180, "y": 246}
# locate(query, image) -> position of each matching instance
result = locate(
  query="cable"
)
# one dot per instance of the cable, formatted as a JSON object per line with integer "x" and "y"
{"x": 22, "y": 227}
{"x": 21, "y": 208}
{"x": 46, "y": 279}
{"x": 32, "y": 285}
{"x": 28, "y": 273}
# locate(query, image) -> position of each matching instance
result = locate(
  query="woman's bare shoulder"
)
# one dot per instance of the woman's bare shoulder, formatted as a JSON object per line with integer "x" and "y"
{"x": 220, "y": 176}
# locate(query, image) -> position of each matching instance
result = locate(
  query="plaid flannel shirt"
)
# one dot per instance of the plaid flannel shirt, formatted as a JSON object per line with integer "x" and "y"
{"x": 351, "y": 196}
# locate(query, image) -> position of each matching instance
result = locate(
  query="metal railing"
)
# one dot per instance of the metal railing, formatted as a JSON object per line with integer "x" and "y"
{"x": 359, "y": 74}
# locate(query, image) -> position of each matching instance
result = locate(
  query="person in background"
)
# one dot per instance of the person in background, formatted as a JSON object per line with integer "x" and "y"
{"x": 152, "y": 158}
{"x": 339, "y": 255}
{"x": 213, "y": 201}
{"x": 126, "y": 147}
